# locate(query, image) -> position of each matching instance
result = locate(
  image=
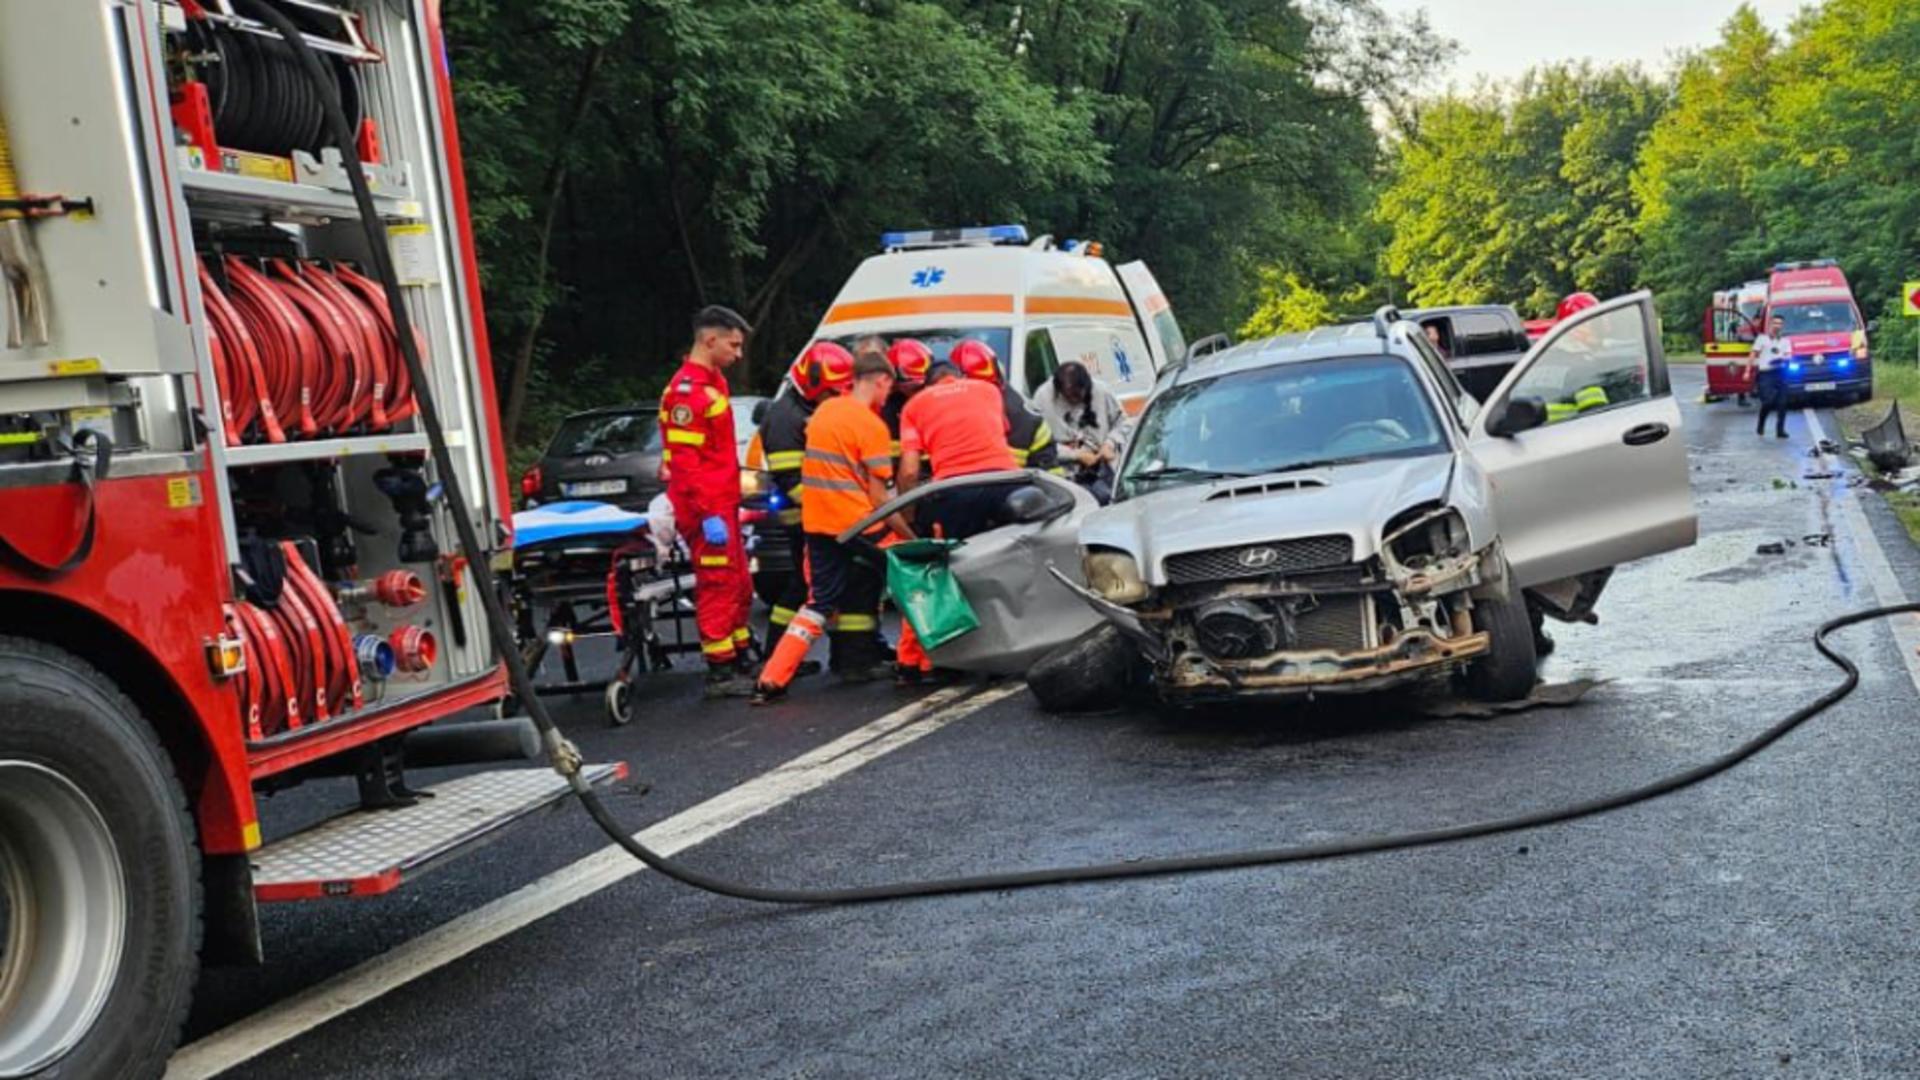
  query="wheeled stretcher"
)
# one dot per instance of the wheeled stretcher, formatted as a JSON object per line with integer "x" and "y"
{"x": 586, "y": 570}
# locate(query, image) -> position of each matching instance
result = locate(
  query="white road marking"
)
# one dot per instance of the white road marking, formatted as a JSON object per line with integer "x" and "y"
{"x": 301, "y": 1013}
{"x": 1880, "y": 575}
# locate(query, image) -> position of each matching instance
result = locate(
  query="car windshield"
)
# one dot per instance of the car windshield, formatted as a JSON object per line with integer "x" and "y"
{"x": 1832, "y": 317}
{"x": 607, "y": 433}
{"x": 1288, "y": 416}
{"x": 941, "y": 342}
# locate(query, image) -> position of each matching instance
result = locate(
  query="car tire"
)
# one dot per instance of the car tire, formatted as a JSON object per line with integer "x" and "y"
{"x": 99, "y": 871}
{"x": 1089, "y": 673}
{"x": 1509, "y": 669}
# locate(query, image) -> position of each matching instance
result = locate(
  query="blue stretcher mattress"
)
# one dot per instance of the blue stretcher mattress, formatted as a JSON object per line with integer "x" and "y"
{"x": 572, "y": 521}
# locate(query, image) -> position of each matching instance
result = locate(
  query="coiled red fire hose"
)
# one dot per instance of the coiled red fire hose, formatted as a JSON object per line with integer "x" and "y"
{"x": 302, "y": 349}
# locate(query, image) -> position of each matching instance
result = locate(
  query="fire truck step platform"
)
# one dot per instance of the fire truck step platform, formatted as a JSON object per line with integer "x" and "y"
{"x": 369, "y": 852}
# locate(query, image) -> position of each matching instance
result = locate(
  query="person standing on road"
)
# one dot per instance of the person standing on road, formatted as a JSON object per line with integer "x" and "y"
{"x": 823, "y": 370}
{"x": 1771, "y": 352}
{"x": 1088, "y": 425}
{"x": 703, "y": 483}
{"x": 848, "y": 465}
{"x": 911, "y": 360}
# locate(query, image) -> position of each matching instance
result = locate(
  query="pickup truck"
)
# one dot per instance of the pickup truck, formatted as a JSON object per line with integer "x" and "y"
{"x": 1481, "y": 343}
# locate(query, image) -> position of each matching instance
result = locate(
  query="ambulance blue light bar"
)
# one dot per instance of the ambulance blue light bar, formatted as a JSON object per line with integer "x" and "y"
{"x": 939, "y": 238}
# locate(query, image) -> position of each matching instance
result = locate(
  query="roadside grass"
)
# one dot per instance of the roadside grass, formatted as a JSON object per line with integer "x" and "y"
{"x": 1893, "y": 385}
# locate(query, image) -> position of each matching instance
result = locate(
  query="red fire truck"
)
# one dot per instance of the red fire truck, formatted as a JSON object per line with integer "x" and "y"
{"x": 225, "y": 564}
{"x": 1731, "y": 323}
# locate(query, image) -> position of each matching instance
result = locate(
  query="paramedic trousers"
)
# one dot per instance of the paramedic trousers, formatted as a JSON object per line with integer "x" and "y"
{"x": 845, "y": 584}
{"x": 722, "y": 587}
{"x": 1771, "y": 386}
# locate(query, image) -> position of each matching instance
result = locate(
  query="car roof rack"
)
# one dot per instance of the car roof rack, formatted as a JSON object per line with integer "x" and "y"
{"x": 1384, "y": 317}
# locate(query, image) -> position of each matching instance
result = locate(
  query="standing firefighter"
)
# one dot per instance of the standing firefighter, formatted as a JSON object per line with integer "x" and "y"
{"x": 703, "y": 482}
{"x": 825, "y": 369}
{"x": 848, "y": 464}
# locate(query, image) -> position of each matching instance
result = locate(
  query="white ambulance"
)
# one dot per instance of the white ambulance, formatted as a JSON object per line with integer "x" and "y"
{"x": 1036, "y": 303}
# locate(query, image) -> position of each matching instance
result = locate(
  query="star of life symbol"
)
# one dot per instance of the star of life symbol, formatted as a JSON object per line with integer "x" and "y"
{"x": 929, "y": 277}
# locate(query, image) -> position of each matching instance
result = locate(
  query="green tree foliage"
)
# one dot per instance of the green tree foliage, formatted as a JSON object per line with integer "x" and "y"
{"x": 633, "y": 159}
{"x": 1520, "y": 194}
{"x": 1761, "y": 148}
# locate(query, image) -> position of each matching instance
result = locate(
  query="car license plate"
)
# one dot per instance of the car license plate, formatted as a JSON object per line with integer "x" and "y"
{"x": 1817, "y": 387}
{"x": 595, "y": 487}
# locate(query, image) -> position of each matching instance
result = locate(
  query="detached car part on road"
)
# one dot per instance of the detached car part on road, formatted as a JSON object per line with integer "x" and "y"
{"x": 1331, "y": 513}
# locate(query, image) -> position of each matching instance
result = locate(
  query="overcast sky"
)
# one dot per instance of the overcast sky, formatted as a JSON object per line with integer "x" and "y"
{"x": 1502, "y": 38}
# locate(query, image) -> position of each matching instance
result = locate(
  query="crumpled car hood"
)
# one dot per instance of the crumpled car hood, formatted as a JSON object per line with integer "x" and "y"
{"x": 1357, "y": 500}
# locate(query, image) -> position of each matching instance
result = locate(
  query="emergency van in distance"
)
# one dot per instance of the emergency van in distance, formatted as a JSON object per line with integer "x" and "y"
{"x": 1036, "y": 303}
{"x": 1824, "y": 329}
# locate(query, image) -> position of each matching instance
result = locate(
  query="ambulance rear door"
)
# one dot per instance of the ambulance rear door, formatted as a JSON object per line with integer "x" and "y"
{"x": 1164, "y": 340}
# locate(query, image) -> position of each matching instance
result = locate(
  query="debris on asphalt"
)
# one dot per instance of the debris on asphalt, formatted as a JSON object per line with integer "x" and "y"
{"x": 1818, "y": 540}
{"x": 1544, "y": 696}
{"x": 1778, "y": 547}
{"x": 1827, "y": 475}
{"x": 1886, "y": 442}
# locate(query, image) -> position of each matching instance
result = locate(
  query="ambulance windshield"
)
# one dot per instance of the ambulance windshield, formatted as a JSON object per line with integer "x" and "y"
{"x": 942, "y": 341}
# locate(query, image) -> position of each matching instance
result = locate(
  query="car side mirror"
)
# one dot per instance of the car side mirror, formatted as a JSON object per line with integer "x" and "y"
{"x": 1517, "y": 414}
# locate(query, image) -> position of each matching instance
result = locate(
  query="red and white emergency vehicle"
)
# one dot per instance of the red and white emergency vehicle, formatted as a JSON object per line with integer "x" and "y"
{"x": 1036, "y": 303}
{"x": 1731, "y": 323}
{"x": 1825, "y": 332}
{"x": 260, "y": 584}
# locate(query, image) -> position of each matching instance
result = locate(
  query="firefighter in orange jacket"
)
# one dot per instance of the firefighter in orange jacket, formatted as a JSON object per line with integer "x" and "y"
{"x": 703, "y": 482}
{"x": 848, "y": 464}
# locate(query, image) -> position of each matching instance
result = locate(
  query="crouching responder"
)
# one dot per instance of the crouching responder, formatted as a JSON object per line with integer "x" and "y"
{"x": 824, "y": 370}
{"x": 702, "y": 463}
{"x": 1029, "y": 437}
{"x": 961, "y": 426}
{"x": 848, "y": 464}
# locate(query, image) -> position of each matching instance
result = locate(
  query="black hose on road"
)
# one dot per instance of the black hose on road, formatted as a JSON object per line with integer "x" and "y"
{"x": 567, "y": 761}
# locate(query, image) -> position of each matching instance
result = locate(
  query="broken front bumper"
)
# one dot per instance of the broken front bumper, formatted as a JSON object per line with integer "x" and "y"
{"x": 1193, "y": 676}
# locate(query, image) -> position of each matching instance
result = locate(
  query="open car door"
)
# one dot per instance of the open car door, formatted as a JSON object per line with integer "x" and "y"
{"x": 1582, "y": 445}
{"x": 1024, "y": 612}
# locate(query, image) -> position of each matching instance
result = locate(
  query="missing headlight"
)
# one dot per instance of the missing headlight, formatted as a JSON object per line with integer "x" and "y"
{"x": 1114, "y": 576}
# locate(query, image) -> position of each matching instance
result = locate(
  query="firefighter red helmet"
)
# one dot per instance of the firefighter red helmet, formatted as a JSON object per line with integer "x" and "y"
{"x": 975, "y": 360}
{"x": 825, "y": 368}
{"x": 1575, "y": 304}
{"x": 910, "y": 359}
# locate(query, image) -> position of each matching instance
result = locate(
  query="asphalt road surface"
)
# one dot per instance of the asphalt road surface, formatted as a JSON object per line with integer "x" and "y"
{"x": 1760, "y": 925}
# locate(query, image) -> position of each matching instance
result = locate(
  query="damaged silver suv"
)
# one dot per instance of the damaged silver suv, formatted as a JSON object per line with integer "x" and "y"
{"x": 1329, "y": 513}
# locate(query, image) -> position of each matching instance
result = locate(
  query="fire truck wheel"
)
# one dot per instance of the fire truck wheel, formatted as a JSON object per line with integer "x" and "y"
{"x": 99, "y": 876}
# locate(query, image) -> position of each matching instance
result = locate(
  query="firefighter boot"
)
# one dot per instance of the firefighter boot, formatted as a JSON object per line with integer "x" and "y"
{"x": 727, "y": 680}
{"x": 789, "y": 655}
{"x": 857, "y": 657}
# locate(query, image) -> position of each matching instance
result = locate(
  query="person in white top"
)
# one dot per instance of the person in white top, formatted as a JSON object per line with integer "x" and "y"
{"x": 1770, "y": 354}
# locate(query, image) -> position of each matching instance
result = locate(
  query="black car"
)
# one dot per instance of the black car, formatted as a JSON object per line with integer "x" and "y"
{"x": 612, "y": 455}
{"x": 1481, "y": 343}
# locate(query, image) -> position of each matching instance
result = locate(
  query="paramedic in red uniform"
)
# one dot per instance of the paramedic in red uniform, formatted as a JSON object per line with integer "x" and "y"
{"x": 703, "y": 481}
